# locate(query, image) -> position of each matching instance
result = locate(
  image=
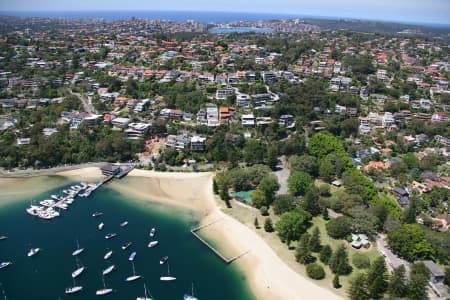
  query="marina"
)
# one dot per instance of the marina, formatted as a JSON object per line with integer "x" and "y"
{"x": 94, "y": 257}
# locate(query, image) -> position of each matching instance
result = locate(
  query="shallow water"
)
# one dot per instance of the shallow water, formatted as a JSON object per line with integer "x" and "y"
{"x": 46, "y": 275}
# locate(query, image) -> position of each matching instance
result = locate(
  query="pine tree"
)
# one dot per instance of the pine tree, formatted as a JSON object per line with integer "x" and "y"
{"x": 397, "y": 282}
{"x": 224, "y": 195}
{"x": 358, "y": 288}
{"x": 418, "y": 281}
{"x": 215, "y": 187}
{"x": 336, "y": 283}
{"x": 303, "y": 253}
{"x": 377, "y": 278}
{"x": 268, "y": 225}
{"x": 325, "y": 215}
{"x": 339, "y": 261}
{"x": 310, "y": 201}
{"x": 325, "y": 254}
{"x": 256, "y": 223}
{"x": 314, "y": 241}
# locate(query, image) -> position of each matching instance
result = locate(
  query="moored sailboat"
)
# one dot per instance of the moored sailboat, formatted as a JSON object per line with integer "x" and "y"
{"x": 146, "y": 297}
{"x": 108, "y": 270}
{"x": 168, "y": 277}
{"x": 134, "y": 276}
{"x": 104, "y": 290}
{"x": 78, "y": 250}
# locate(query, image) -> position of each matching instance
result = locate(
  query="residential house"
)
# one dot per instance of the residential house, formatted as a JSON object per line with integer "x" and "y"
{"x": 402, "y": 196}
{"x": 287, "y": 121}
{"x": 222, "y": 94}
{"x": 179, "y": 142}
{"x": 243, "y": 100}
{"x": 248, "y": 120}
{"x": 198, "y": 144}
{"x": 226, "y": 114}
{"x": 136, "y": 130}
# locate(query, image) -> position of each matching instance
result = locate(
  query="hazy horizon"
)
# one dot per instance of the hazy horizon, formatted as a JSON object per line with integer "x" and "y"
{"x": 400, "y": 11}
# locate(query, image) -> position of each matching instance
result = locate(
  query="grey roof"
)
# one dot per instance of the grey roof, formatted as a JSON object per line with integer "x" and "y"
{"x": 400, "y": 191}
{"x": 435, "y": 270}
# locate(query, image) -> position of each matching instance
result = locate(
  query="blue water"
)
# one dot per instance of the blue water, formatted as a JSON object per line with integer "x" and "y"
{"x": 219, "y": 30}
{"x": 203, "y": 16}
{"x": 46, "y": 275}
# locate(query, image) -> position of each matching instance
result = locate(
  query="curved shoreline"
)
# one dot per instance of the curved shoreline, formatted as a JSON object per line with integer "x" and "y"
{"x": 269, "y": 277}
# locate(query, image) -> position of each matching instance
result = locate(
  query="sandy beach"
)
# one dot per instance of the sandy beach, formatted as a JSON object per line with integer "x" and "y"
{"x": 270, "y": 278}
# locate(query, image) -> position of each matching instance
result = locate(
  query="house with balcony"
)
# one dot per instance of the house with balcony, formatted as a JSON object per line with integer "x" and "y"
{"x": 198, "y": 144}
{"x": 248, "y": 120}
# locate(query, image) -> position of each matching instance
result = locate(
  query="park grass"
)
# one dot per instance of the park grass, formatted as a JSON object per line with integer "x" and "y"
{"x": 372, "y": 252}
{"x": 246, "y": 215}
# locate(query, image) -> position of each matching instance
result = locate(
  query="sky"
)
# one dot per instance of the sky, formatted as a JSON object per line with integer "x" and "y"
{"x": 411, "y": 11}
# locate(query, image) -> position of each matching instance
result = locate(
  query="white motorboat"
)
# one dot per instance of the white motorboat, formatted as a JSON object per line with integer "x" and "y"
{"x": 101, "y": 225}
{"x": 126, "y": 245}
{"x": 5, "y": 264}
{"x": 73, "y": 289}
{"x": 152, "y": 244}
{"x": 33, "y": 251}
{"x": 2, "y": 237}
{"x": 163, "y": 260}
{"x": 123, "y": 224}
{"x": 97, "y": 214}
{"x": 152, "y": 232}
{"x": 110, "y": 235}
{"x": 108, "y": 255}
{"x": 132, "y": 256}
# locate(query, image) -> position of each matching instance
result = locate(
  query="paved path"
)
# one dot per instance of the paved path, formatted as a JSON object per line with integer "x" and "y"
{"x": 282, "y": 174}
{"x": 86, "y": 101}
{"x": 393, "y": 261}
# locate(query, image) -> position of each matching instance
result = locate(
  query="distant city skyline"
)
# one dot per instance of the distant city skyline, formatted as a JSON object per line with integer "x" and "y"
{"x": 410, "y": 11}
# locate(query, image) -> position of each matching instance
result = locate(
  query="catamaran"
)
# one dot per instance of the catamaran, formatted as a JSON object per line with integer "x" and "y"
{"x": 191, "y": 296}
{"x": 78, "y": 251}
{"x": 104, "y": 290}
{"x": 152, "y": 232}
{"x": 5, "y": 264}
{"x": 101, "y": 225}
{"x": 132, "y": 256}
{"x": 33, "y": 251}
{"x": 108, "y": 269}
{"x": 145, "y": 295}
{"x": 123, "y": 224}
{"x": 168, "y": 277}
{"x": 134, "y": 276}
{"x": 79, "y": 269}
{"x": 126, "y": 245}
{"x": 108, "y": 255}
{"x": 152, "y": 244}
{"x": 110, "y": 235}
{"x": 163, "y": 260}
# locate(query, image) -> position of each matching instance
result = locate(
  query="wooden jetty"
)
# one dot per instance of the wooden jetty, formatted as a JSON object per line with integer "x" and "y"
{"x": 214, "y": 250}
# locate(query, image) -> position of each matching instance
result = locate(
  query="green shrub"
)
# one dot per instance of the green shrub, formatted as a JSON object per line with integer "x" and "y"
{"x": 315, "y": 271}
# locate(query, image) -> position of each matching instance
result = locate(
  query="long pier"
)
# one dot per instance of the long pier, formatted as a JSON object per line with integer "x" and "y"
{"x": 214, "y": 250}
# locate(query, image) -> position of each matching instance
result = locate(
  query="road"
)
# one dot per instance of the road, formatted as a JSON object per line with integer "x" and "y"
{"x": 282, "y": 174}
{"x": 393, "y": 261}
{"x": 86, "y": 101}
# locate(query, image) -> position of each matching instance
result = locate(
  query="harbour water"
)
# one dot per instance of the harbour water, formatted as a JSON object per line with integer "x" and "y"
{"x": 47, "y": 274}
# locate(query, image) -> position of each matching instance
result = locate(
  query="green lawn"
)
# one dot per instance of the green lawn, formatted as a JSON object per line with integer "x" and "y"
{"x": 246, "y": 215}
{"x": 373, "y": 254}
